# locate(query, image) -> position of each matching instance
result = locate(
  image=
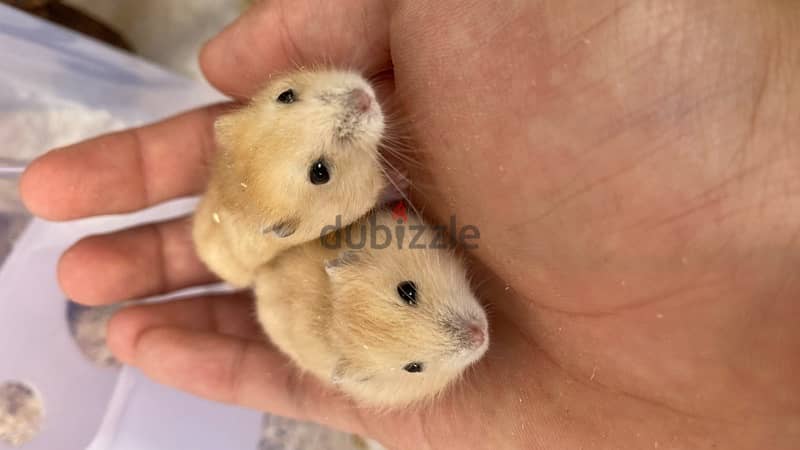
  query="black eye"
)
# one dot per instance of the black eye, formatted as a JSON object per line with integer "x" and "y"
{"x": 319, "y": 173}
{"x": 414, "y": 367}
{"x": 407, "y": 290}
{"x": 286, "y": 96}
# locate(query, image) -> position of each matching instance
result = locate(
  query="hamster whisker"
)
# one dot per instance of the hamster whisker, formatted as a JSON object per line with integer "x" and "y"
{"x": 297, "y": 66}
{"x": 400, "y": 173}
{"x": 478, "y": 284}
{"x": 402, "y": 142}
{"x": 393, "y": 183}
{"x": 489, "y": 308}
{"x": 395, "y": 148}
{"x": 401, "y": 157}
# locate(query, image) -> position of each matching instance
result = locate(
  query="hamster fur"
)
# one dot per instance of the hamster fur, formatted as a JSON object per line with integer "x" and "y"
{"x": 304, "y": 151}
{"x": 339, "y": 314}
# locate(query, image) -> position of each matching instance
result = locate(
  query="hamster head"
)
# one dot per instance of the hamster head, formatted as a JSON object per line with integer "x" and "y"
{"x": 304, "y": 151}
{"x": 404, "y": 320}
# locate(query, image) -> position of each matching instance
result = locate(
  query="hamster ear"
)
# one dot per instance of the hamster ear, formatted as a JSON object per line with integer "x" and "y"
{"x": 344, "y": 371}
{"x": 345, "y": 258}
{"x": 281, "y": 229}
{"x": 339, "y": 371}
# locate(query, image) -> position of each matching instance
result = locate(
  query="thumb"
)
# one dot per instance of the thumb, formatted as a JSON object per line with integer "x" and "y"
{"x": 280, "y": 35}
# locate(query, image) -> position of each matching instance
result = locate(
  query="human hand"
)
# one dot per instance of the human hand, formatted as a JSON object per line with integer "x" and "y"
{"x": 630, "y": 169}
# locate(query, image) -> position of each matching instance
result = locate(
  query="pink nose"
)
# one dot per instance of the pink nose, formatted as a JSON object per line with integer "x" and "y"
{"x": 360, "y": 100}
{"x": 476, "y": 334}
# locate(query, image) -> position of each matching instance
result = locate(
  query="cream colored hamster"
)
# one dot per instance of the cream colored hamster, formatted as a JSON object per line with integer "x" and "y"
{"x": 389, "y": 326}
{"x": 304, "y": 151}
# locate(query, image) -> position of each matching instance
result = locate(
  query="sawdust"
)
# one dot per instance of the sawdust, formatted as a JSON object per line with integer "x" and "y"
{"x": 21, "y": 413}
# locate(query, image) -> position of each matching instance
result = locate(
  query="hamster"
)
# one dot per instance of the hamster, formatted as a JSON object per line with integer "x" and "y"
{"x": 389, "y": 326}
{"x": 302, "y": 153}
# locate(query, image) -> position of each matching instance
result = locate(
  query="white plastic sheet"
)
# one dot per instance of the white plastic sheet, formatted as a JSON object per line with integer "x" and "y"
{"x": 57, "y": 87}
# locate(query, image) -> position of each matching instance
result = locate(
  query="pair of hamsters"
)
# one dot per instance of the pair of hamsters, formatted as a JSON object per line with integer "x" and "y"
{"x": 388, "y": 324}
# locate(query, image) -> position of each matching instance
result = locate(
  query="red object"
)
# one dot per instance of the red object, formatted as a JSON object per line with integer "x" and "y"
{"x": 399, "y": 211}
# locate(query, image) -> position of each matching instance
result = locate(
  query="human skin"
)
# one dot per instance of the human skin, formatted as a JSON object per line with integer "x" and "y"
{"x": 633, "y": 172}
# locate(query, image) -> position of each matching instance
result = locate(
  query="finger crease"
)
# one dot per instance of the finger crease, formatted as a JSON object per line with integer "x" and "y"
{"x": 208, "y": 142}
{"x": 296, "y": 393}
{"x": 214, "y": 322}
{"x": 292, "y": 51}
{"x": 139, "y": 146}
{"x": 163, "y": 278}
{"x": 236, "y": 372}
{"x": 360, "y": 421}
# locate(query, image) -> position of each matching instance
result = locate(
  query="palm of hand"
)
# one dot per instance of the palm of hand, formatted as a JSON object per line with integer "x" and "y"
{"x": 633, "y": 182}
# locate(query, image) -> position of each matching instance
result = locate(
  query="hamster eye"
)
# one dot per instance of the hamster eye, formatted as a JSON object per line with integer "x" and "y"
{"x": 286, "y": 96}
{"x": 407, "y": 290}
{"x": 414, "y": 367}
{"x": 318, "y": 174}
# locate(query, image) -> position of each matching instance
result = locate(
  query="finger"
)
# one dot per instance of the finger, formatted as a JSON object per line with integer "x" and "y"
{"x": 239, "y": 371}
{"x": 279, "y": 35}
{"x": 134, "y": 263}
{"x": 229, "y": 314}
{"x": 124, "y": 171}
